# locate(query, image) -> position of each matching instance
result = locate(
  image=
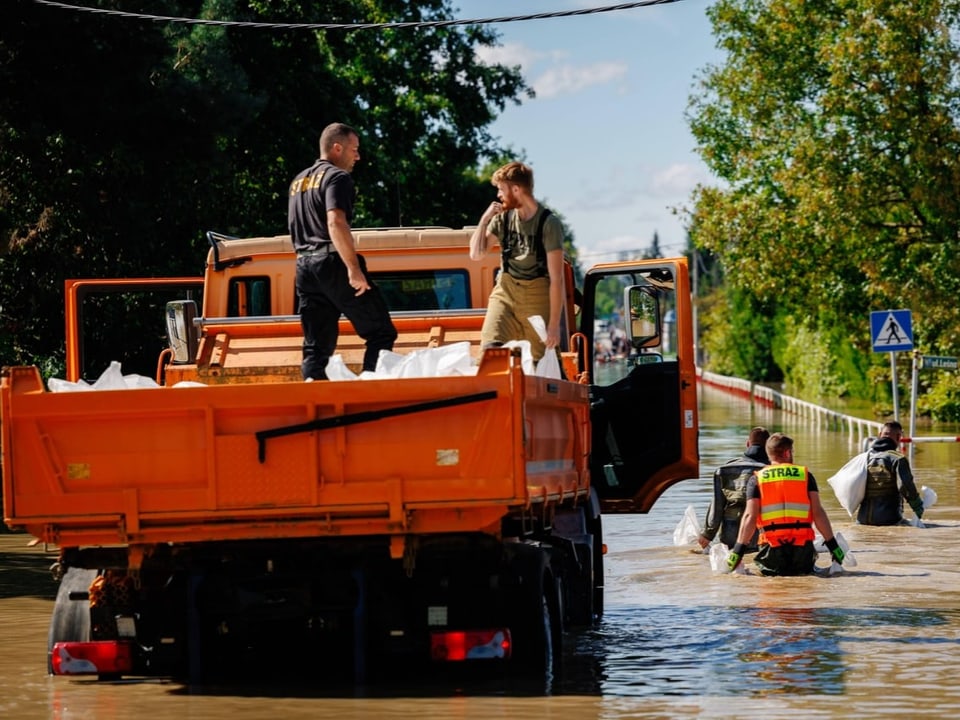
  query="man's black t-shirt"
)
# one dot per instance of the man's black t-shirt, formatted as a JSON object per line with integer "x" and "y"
{"x": 321, "y": 187}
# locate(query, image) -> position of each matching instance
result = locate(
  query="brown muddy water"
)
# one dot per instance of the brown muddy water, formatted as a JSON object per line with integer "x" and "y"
{"x": 677, "y": 641}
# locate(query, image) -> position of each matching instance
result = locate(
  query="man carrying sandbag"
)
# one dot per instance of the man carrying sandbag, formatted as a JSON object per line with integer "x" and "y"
{"x": 784, "y": 502}
{"x": 889, "y": 481}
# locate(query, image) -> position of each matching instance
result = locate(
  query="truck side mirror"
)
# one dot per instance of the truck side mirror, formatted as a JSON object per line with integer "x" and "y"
{"x": 182, "y": 334}
{"x": 644, "y": 323}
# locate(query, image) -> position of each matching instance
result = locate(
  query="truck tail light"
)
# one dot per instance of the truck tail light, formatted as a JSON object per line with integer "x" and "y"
{"x": 458, "y": 645}
{"x": 96, "y": 657}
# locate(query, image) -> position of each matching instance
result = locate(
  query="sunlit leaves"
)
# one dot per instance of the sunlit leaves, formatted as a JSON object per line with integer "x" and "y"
{"x": 833, "y": 126}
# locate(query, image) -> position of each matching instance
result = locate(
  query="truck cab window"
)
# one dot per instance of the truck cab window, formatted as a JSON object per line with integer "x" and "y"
{"x": 614, "y": 355}
{"x": 249, "y": 296}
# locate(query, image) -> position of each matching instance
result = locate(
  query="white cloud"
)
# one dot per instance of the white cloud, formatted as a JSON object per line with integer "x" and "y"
{"x": 642, "y": 186}
{"x": 556, "y": 81}
{"x": 569, "y": 79}
{"x": 609, "y": 248}
{"x": 513, "y": 54}
{"x": 678, "y": 179}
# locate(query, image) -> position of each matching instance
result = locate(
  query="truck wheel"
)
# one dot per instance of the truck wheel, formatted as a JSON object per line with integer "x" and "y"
{"x": 597, "y": 532}
{"x": 70, "y": 621}
{"x": 579, "y": 607}
{"x": 537, "y": 624}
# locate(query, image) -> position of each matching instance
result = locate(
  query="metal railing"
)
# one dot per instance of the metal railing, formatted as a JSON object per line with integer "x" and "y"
{"x": 857, "y": 428}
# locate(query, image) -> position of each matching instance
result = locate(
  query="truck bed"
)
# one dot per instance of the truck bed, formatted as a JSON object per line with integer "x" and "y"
{"x": 249, "y": 461}
{"x": 257, "y": 349}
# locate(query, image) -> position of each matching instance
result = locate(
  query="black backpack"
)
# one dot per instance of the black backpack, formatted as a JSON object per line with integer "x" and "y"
{"x": 506, "y": 246}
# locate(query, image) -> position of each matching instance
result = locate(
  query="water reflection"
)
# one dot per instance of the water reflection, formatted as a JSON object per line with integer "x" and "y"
{"x": 793, "y": 653}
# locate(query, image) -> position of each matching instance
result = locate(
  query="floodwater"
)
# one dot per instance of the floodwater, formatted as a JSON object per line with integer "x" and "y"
{"x": 677, "y": 641}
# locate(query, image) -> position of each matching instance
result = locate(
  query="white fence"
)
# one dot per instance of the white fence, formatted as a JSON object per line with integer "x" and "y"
{"x": 822, "y": 417}
{"x": 858, "y": 428}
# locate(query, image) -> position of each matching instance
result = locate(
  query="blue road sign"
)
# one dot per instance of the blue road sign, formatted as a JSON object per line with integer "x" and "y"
{"x": 891, "y": 330}
{"x": 938, "y": 362}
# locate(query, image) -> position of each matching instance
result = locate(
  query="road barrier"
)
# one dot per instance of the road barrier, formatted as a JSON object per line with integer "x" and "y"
{"x": 858, "y": 428}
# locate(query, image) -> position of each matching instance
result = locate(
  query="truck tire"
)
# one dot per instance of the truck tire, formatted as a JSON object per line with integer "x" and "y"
{"x": 70, "y": 621}
{"x": 537, "y": 625}
{"x": 580, "y": 593}
{"x": 596, "y": 529}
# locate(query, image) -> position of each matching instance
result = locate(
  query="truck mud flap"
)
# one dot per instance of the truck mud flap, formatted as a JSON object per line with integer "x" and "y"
{"x": 364, "y": 417}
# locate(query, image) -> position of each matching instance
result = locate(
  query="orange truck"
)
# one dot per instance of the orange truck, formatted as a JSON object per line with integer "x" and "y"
{"x": 236, "y": 517}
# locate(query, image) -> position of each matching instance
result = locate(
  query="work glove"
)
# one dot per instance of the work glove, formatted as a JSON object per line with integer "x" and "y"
{"x": 735, "y": 556}
{"x": 835, "y": 550}
{"x": 917, "y": 506}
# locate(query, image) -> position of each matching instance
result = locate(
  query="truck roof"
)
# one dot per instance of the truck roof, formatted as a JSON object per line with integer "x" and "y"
{"x": 229, "y": 248}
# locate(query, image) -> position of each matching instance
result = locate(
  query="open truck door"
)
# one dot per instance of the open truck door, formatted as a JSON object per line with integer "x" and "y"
{"x": 639, "y": 352}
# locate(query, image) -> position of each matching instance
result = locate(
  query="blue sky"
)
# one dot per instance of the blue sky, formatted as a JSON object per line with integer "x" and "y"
{"x": 606, "y": 134}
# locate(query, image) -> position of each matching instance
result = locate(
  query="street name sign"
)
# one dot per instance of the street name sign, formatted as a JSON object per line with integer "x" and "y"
{"x": 938, "y": 362}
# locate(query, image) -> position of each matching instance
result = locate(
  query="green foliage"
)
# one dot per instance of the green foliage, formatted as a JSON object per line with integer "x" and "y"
{"x": 942, "y": 399}
{"x": 122, "y": 141}
{"x": 654, "y": 250}
{"x": 738, "y": 331}
{"x": 835, "y": 130}
{"x": 819, "y": 363}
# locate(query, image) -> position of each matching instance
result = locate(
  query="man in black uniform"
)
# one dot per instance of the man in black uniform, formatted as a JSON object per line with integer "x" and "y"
{"x": 730, "y": 492}
{"x": 331, "y": 277}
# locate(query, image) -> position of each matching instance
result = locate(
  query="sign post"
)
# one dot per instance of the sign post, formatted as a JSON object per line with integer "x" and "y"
{"x": 925, "y": 362}
{"x": 890, "y": 331}
{"x": 914, "y": 389}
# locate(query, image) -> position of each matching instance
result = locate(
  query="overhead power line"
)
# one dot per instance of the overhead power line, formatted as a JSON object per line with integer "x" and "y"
{"x": 353, "y": 26}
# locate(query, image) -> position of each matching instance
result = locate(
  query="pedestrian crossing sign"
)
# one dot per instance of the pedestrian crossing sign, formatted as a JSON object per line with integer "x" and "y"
{"x": 891, "y": 330}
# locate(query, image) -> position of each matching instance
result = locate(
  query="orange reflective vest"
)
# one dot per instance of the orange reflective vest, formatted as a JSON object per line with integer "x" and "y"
{"x": 786, "y": 517}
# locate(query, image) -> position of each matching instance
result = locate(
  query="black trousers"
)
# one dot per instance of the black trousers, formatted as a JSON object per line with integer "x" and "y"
{"x": 324, "y": 293}
{"x": 786, "y": 559}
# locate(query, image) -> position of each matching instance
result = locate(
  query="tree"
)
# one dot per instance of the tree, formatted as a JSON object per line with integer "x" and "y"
{"x": 119, "y": 150}
{"x": 833, "y": 126}
{"x": 653, "y": 252}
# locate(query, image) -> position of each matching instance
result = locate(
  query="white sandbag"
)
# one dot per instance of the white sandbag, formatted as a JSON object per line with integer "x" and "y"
{"x": 850, "y": 483}
{"x": 111, "y": 379}
{"x": 526, "y": 355}
{"x": 337, "y": 369}
{"x": 718, "y": 560}
{"x": 848, "y": 558}
{"x": 928, "y": 497}
{"x": 549, "y": 365}
{"x": 443, "y": 361}
{"x": 539, "y": 326}
{"x": 59, "y": 385}
{"x": 440, "y": 361}
{"x": 687, "y": 530}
